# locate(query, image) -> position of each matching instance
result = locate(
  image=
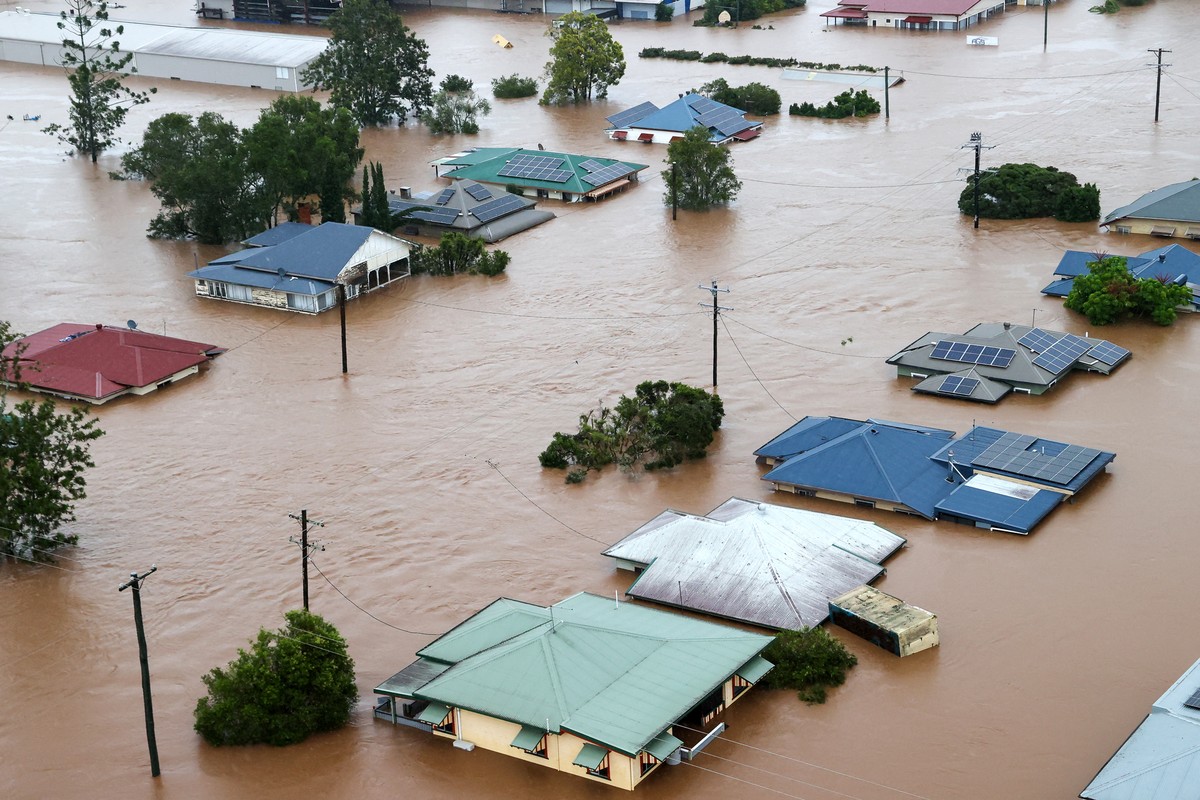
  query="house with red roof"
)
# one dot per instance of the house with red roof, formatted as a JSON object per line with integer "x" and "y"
{"x": 915, "y": 14}
{"x": 98, "y": 363}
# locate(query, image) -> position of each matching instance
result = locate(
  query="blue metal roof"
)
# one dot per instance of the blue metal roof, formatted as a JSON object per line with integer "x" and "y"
{"x": 1000, "y": 510}
{"x": 278, "y": 235}
{"x": 806, "y": 434}
{"x": 228, "y": 273}
{"x": 1173, "y": 262}
{"x": 320, "y": 253}
{"x": 1059, "y": 288}
{"x": 683, "y": 115}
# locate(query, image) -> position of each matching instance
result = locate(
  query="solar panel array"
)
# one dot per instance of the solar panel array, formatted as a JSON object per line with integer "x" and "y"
{"x": 974, "y": 354}
{"x": 478, "y": 191}
{"x": 494, "y": 209}
{"x": 1193, "y": 701}
{"x": 438, "y": 216}
{"x": 1038, "y": 340}
{"x": 1108, "y": 353}
{"x": 632, "y": 115}
{"x": 1062, "y": 354}
{"x": 444, "y": 197}
{"x": 591, "y": 165}
{"x": 608, "y": 174}
{"x": 1012, "y": 453}
{"x": 725, "y": 119}
{"x": 703, "y": 105}
{"x": 538, "y": 168}
{"x": 955, "y": 384}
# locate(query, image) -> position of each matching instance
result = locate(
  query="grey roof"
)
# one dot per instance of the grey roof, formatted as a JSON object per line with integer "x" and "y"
{"x": 320, "y": 253}
{"x": 1021, "y": 371}
{"x": 1179, "y": 202}
{"x": 1161, "y": 759}
{"x": 277, "y": 235}
{"x": 754, "y": 562}
{"x": 229, "y": 273}
{"x": 523, "y": 216}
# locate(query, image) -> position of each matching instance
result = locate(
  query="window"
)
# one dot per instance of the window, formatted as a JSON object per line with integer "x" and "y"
{"x": 283, "y": 73}
{"x": 740, "y": 685}
{"x": 244, "y": 293}
{"x": 1124, "y": 229}
{"x": 301, "y": 302}
{"x": 446, "y": 725}
{"x": 647, "y": 762}
{"x": 601, "y": 769}
{"x": 540, "y": 749}
{"x": 216, "y": 289}
{"x": 864, "y": 503}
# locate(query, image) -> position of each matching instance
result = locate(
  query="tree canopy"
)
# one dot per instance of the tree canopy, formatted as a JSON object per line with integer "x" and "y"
{"x": 1110, "y": 292}
{"x": 660, "y": 426}
{"x": 743, "y": 10}
{"x": 585, "y": 59}
{"x": 700, "y": 175}
{"x": 374, "y": 66}
{"x": 456, "y": 108}
{"x": 458, "y": 253}
{"x": 43, "y": 460}
{"x": 1022, "y": 191}
{"x": 847, "y": 104}
{"x": 753, "y": 98}
{"x": 290, "y": 684}
{"x": 92, "y": 57}
{"x": 808, "y": 660}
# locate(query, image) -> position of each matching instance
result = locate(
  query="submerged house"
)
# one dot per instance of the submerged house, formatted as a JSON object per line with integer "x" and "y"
{"x": 98, "y": 363}
{"x": 653, "y": 125}
{"x": 760, "y": 563}
{"x": 945, "y": 15}
{"x": 1173, "y": 263}
{"x": 299, "y": 267}
{"x": 1161, "y": 759}
{"x": 993, "y": 359}
{"x": 545, "y": 175}
{"x": 588, "y": 686}
{"x": 988, "y": 478}
{"x": 1170, "y": 211}
{"x": 467, "y": 207}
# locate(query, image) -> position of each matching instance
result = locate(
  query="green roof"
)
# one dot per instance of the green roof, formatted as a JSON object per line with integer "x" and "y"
{"x": 618, "y": 675}
{"x": 485, "y": 165}
{"x": 590, "y": 756}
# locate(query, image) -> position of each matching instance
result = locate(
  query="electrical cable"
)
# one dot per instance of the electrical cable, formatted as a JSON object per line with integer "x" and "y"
{"x": 539, "y": 316}
{"x": 709, "y": 754}
{"x": 743, "y": 780}
{"x": 360, "y": 608}
{"x": 544, "y": 511}
{"x": 802, "y": 346}
{"x": 752, "y": 372}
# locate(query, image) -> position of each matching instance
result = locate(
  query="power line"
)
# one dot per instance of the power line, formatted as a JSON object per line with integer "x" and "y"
{"x": 743, "y": 780}
{"x": 803, "y": 346}
{"x": 829, "y": 186}
{"x": 543, "y": 316}
{"x": 753, "y": 373}
{"x": 708, "y": 752}
{"x": 1019, "y": 77}
{"x": 539, "y": 508}
{"x": 360, "y": 608}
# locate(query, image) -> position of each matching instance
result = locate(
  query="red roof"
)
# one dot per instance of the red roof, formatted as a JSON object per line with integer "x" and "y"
{"x": 950, "y": 7}
{"x": 847, "y": 13}
{"x": 98, "y": 362}
{"x": 747, "y": 135}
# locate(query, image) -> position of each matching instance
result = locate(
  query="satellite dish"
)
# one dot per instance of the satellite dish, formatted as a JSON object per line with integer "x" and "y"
{"x": 132, "y": 325}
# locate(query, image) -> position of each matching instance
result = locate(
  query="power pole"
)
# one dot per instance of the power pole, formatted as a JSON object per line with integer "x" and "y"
{"x": 977, "y": 145}
{"x": 342, "y": 308}
{"x": 1158, "y": 84}
{"x": 1045, "y": 24}
{"x": 887, "y": 109}
{"x": 305, "y": 547}
{"x": 716, "y": 312}
{"x": 135, "y": 583}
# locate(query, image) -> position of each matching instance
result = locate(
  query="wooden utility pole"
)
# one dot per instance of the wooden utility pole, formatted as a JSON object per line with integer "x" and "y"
{"x": 977, "y": 145}
{"x": 342, "y": 308}
{"x": 305, "y": 548}
{"x": 135, "y": 583}
{"x": 1158, "y": 83}
{"x": 887, "y": 109}
{"x": 716, "y": 313}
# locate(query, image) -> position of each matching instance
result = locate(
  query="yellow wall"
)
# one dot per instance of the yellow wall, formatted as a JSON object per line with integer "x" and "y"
{"x": 1146, "y": 226}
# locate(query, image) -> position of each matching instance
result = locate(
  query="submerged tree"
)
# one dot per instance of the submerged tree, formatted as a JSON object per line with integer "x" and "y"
{"x": 586, "y": 60}
{"x": 1110, "y": 292}
{"x": 1023, "y": 191}
{"x": 808, "y": 660}
{"x": 700, "y": 175}
{"x": 95, "y": 65}
{"x": 43, "y": 458}
{"x": 456, "y": 107}
{"x": 374, "y": 66}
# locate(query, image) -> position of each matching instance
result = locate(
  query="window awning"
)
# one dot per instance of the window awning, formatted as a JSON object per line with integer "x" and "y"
{"x": 918, "y": 19}
{"x": 608, "y": 188}
{"x": 754, "y": 669}
{"x": 620, "y": 134}
{"x": 846, "y": 13}
{"x": 528, "y": 738}
{"x": 590, "y": 757}
{"x": 1192, "y": 233}
{"x": 645, "y": 137}
{"x": 663, "y": 745}
{"x": 435, "y": 713}
{"x": 1163, "y": 230}
{"x": 747, "y": 135}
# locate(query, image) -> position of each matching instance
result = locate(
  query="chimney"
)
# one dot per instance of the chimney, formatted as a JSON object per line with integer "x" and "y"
{"x": 406, "y": 192}
{"x": 1007, "y": 325}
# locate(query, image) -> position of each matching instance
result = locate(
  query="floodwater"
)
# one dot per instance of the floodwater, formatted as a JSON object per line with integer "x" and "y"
{"x": 844, "y": 245}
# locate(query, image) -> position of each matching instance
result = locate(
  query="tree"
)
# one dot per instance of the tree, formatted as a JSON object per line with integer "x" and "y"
{"x": 700, "y": 175}
{"x": 662, "y": 425}
{"x": 459, "y": 253}
{"x": 846, "y": 104}
{"x": 514, "y": 85}
{"x": 809, "y": 660}
{"x": 374, "y": 66}
{"x": 753, "y": 98}
{"x": 289, "y": 684}
{"x": 43, "y": 458}
{"x": 455, "y": 108}
{"x": 1022, "y": 191}
{"x": 586, "y": 60}
{"x": 95, "y": 65}
{"x": 1110, "y": 292}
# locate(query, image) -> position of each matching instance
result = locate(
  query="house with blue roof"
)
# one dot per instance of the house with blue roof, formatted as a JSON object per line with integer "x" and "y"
{"x": 300, "y": 268}
{"x": 1172, "y": 211}
{"x": 588, "y": 686}
{"x": 1173, "y": 263}
{"x": 653, "y": 125}
{"x": 988, "y": 478}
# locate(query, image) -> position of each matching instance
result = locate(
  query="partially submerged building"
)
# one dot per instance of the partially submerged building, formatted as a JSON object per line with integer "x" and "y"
{"x": 1173, "y": 263}
{"x": 1172, "y": 211}
{"x": 760, "y": 563}
{"x": 589, "y": 686}
{"x": 993, "y": 359}
{"x": 915, "y": 14}
{"x": 1161, "y": 759}
{"x": 99, "y": 363}
{"x": 299, "y": 267}
{"x": 885, "y": 621}
{"x": 557, "y": 176}
{"x": 466, "y": 207}
{"x": 988, "y": 478}
{"x": 653, "y": 125}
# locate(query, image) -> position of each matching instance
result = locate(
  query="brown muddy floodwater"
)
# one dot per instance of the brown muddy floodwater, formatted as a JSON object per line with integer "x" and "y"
{"x": 843, "y": 246}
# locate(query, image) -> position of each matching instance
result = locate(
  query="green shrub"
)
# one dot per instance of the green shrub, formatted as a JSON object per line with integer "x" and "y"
{"x": 1024, "y": 191}
{"x": 753, "y": 98}
{"x": 458, "y": 253}
{"x": 456, "y": 83}
{"x": 1110, "y": 293}
{"x": 712, "y": 57}
{"x": 1078, "y": 204}
{"x": 664, "y": 12}
{"x": 514, "y": 85}
{"x": 808, "y": 660}
{"x": 846, "y": 104}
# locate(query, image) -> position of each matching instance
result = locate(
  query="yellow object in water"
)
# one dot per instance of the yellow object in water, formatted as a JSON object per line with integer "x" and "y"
{"x": 500, "y": 40}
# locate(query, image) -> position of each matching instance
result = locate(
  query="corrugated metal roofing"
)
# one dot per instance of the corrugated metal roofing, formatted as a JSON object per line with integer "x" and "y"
{"x": 682, "y": 115}
{"x": 1161, "y": 759}
{"x": 615, "y": 674}
{"x": 523, "y": 216}
{"x": 277, "y": 235}
{"x": 806, "y": 434}
{"x": 882, "y": 609}
{"x": 485, "y": 165}
{"x": 242, "y": 47}
{"x": 1013, "y": 511}
{"x": 411, "y": 678}
{"x": 755, "y": 562}
{"x": 1179, "y": 202}
{"x": 1173, "y": 262}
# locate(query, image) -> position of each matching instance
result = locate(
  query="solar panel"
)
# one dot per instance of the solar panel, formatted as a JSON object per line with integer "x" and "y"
{"x": 1038, "y": 340}
{"x": 703, "y": 105}
{"x": 1062, "y": 354}
{"x": 444, "y": 197}
{"x": 438, "y": 216}
{"x": 1017, "y": 453}
{"x": 478, "y": 191}
{"x": 608, "y": 174}
{"x": 1108, "y": 353}
{"x": 966, "y": 353}
{"x": 538, "y": 168}
{"x": 535, "y": 162}
{"x": 632, "y": 115}
{"x": 1193, "y": 701}
{"x": 591, "y": 165}
{"x": 494, "y": 209}
{"x": 725, "y": 119}
{"x": 955, "y": 384}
